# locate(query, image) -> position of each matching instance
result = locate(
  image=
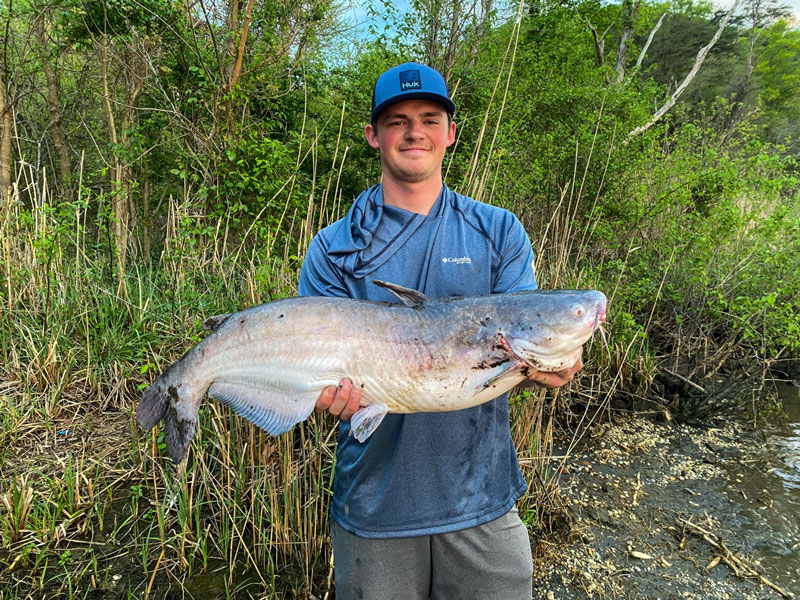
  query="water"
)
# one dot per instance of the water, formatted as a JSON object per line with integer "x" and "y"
{"x": 784, "y": 440}
{"x": 767, "y": 493}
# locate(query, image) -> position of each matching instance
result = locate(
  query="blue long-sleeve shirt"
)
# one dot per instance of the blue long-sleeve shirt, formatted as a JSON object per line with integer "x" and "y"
{"x": 423, "y": 473}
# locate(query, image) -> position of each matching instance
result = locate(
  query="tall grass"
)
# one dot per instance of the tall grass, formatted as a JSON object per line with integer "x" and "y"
{"x": 88, "y": 500}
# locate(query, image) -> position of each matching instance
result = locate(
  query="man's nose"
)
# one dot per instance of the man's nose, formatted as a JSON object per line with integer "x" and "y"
{"x": 414, "y": 130}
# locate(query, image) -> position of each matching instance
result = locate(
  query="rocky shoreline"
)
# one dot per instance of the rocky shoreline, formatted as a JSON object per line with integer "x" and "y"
{"x": 667, "y": 511}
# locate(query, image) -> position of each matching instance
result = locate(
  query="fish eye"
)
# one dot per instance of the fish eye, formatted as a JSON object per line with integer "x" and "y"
{"x": 578, "y": 310}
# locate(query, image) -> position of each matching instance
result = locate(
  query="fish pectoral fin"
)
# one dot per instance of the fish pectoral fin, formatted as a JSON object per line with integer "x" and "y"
{"x": 366, "y": 420}
{"x": 509, "y": 368}
{"x": 406, "y": 295}
{"x": 271, "y": 409}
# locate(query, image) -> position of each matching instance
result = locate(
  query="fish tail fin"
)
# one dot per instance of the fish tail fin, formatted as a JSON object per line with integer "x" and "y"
{"x": 178, "y": 434}
{"x": 175, "y": 403}
{"x": 152, "y": 408}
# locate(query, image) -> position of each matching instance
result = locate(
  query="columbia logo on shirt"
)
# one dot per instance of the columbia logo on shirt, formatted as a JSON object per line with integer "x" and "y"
{"x": 460, "y": 260}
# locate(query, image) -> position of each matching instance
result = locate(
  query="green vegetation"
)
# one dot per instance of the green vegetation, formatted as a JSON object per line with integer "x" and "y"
{"x": 159, "y": 166}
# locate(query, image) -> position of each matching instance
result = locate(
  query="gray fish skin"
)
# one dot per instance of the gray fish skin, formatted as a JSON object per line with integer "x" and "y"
{"x": 270, "y": 362}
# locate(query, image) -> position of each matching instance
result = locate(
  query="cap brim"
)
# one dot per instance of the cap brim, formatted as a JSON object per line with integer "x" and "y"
{"x": 448, "y": 104}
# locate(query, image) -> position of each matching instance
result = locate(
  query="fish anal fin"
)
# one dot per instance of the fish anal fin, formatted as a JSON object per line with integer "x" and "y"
{"x": 271, "y": 409}
{"x": 406, "y": 295}
{"x": 366, "y": 420}
{"x": 213, "y": 323}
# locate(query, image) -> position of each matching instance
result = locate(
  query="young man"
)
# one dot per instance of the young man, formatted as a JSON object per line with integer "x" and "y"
{"x": 425, "y": 507}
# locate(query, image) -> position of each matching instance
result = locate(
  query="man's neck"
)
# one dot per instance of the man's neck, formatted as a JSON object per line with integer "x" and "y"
{"x": 415, "y": 197}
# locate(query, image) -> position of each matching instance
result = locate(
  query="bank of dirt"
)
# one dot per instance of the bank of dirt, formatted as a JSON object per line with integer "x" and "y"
{"x": 668, "y": 511}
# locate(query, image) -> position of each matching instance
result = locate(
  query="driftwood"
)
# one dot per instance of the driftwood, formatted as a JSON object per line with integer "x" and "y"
{"x": 668, "y": 371}
{"x": 739, "y": 565}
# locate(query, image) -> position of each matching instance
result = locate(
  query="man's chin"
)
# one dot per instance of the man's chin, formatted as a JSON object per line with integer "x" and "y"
{"x": 411, "y": 176}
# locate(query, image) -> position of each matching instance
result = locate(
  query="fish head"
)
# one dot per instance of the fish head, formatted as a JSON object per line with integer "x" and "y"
{"x": 551, "y": 326}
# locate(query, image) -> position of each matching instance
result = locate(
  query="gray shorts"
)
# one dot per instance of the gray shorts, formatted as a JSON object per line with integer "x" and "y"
{"x": 488, "y": 562}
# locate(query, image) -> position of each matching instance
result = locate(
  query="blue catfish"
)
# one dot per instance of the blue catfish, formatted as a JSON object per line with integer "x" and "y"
{"x": 270, "y": 362}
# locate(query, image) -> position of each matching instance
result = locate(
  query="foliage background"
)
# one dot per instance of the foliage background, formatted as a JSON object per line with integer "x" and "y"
{"x": 161, "y": 162}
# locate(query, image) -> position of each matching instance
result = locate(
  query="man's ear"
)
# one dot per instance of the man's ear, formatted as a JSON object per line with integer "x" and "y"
{"x": 451, "y": 135}
{"x": 371, "y": 135}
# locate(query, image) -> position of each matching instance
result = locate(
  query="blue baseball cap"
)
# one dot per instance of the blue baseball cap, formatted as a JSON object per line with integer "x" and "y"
{"x": 410, "y": 81}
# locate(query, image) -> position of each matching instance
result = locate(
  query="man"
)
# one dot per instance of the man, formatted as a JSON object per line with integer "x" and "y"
{"x": 425, "y": 507}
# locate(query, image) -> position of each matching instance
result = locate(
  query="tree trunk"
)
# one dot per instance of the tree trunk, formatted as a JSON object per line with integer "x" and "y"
{"x": 629, "y": 13}
{"x": 233, "y": 28}
{"x": 434, "y": 9}
{"x": 237, "y": 69}
{"x": 743, "y": 88}
{"x": 486, "y": 10}
{"x": 237, "y": 66}
{"x": 649, "y": 40}
{"x": 5, "y": 145}
{"x": 452, "y": 41}
{"x": 136, "y": 72}
{"x": 60, "y": 144}
{"x": 599, "y": 48}
{"x": 119, "y": 201}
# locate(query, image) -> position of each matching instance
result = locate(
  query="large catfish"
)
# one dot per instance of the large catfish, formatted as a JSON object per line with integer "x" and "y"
{"x": 270, "y": 363}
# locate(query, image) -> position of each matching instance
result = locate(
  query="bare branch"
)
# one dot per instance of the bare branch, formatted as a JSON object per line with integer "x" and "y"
{"x": 243, "y": 40}
{"x": 649, "y": 40}
{"x": 701, "y": 56}
{"x": 599, "y": 44}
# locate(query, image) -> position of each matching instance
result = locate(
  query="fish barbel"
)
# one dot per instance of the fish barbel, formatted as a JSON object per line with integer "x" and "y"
{"x": 270, "y": 362}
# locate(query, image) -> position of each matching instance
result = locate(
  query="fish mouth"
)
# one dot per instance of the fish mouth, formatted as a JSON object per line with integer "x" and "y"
{"x": 553, "y": 357}
{"x": 537, "y": 360}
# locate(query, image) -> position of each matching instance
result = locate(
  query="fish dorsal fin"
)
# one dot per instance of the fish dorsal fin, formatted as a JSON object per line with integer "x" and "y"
{"x": 406, "y": 295}
{"x": 213, "y": 323}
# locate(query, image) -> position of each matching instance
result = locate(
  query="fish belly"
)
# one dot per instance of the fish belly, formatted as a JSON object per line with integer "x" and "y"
{"x": 404, "y": 360}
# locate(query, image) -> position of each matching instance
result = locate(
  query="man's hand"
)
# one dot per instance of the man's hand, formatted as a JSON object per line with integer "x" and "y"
{"x": 340, "y": 401}
{"x": 554, "y": 379}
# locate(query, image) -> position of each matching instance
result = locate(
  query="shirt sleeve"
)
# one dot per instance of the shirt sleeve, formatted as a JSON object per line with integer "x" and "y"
{"x": 318, "y": 276}
{"x": 515, "y": 271}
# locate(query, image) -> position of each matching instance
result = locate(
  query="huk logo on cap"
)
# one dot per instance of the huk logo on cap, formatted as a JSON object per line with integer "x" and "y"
{"x": 410, "y": 80}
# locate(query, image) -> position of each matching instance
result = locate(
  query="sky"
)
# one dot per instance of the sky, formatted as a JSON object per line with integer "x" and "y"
{"x": 356, "y": 12}
{"x": 793, "y": 4}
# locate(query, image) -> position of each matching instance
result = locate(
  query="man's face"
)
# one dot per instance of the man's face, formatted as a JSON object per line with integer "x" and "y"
{"x": 412, "y": 136}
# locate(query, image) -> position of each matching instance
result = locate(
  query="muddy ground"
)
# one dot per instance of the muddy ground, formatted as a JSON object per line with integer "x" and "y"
{"x": 631, "y": 491}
